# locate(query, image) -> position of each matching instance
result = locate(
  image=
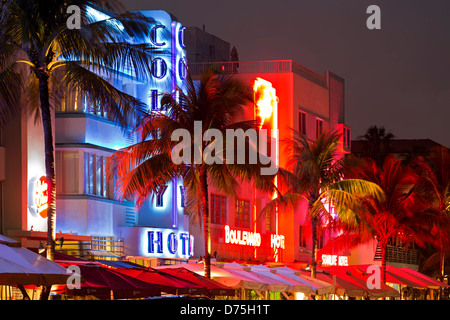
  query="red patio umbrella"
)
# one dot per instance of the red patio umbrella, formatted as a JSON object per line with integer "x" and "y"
{"x": 403, "y": 278}
{"x": 167, "y": 282}
{"x": 393, "y": 276}
{"x": 361, "y": 278}
{"x": 100, "y": 281}
{"x": 344, "y": 284}
{"x": 431, "y": 283}
{"x": 215, "y": 288}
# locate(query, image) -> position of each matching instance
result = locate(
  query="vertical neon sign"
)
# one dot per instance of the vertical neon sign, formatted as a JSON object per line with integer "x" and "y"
{"x": 266, "y": 102}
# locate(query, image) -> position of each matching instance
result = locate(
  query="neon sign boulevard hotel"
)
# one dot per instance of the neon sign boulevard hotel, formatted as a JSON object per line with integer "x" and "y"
{"x": 93, "y": 223}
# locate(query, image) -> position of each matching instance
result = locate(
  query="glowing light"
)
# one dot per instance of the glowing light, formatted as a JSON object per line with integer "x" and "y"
{"x": 242, "y": 237}
{"x": 334, "y": 260}
{"x": 168, "y": 243}
{"x": 277, "y": 241}
{"x": 265, "y": 98}
{"x": 41, "y": 197}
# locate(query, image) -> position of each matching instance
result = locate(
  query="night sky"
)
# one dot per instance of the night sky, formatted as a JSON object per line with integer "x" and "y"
{"x": 397, "y": 77}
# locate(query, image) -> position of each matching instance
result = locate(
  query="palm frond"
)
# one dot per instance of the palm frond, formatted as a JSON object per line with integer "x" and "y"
{"x": 121, "y": 107}
{"x": 10, "y": 92}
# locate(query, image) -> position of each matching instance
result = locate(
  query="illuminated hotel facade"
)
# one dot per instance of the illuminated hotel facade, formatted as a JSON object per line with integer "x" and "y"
{"x": 309, "y": 103}
{"x": 93, "y": 222}
{"x": 89, "y": 218}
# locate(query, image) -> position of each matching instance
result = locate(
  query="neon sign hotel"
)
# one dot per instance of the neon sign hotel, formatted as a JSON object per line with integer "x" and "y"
{"x": 93, "y": 222}
{"x": 297, "y": 98}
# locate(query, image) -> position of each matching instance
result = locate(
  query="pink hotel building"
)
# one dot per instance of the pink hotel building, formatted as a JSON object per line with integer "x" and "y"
{"x": 307, "y": 102}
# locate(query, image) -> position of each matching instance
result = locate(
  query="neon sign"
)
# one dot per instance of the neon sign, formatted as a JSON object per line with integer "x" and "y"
{"x": 334, "y": 260}
{"x": 169, "y": 243}
{"x": 41, "y": 196}
{"x": 242, "y": 237}
{"x": 277, "y": 241}
{"x": 265, "y": 98}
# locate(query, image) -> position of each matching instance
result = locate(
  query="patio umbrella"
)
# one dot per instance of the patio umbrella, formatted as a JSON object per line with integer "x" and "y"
{"x": 343, "y": 283}
{"x": 395, "y": 275}
{"x": 430, "y": 282}
{"x": 168, "y": 283}
{"x": 228, "y": 277}
{"x": 361, "y": 278}
{"x": 20, "y": 266}
{"x": 307, "y": 284}
{"x": 8, "y": 241}
{"x": 214, "y": 288}
{"x": 273, "y": 285}
{"x": 101, "y": 281}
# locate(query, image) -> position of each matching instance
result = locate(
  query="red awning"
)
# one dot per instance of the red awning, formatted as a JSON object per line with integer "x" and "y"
{"x": 361, "y": 277}
{"x": 100, "y": 281}
{"x": 431, "y": 283}
{"x": 215, "y": 288}
{"x": 343, "y": 283}
{"x": 401, "y": 277}
{"x": 167, "y": 282}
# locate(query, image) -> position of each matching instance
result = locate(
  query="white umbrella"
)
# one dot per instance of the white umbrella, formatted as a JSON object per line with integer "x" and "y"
{"x": 295, "y": 285}
{"x": 316, "y": 285}
{"x": 229, "y": 277}
{"x": 273, "y": 284}
{"x": 20, "y": 266}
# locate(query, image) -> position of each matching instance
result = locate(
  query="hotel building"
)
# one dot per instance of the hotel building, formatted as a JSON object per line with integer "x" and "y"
{"x": 92, "y": 223}
{"x": 305, "y": 101}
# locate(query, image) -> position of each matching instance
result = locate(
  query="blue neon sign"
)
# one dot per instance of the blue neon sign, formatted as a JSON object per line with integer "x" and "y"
{"x": 169, "y": 243}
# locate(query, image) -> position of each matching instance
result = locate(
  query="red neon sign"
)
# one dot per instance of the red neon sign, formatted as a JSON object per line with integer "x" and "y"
{"x": 41, "y": 196}
{"x": 265, "y": 98}
{"x": 334, "y": 260}
{"x": 242, "y": 237}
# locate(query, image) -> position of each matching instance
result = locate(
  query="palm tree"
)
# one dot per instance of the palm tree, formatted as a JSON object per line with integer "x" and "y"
{"x": 216, "y": 102}
{"x": 35, "y": 35}
{"x": 377, "y": 143}
{"x": 434, "y": 171}
{"x": 402, "y": 216}
{"x": 315, "y": 174}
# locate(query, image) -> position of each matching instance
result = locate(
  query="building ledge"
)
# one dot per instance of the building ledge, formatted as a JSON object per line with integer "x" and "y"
{"x": 42, "y": 235}
{"x": 92, "y": 197}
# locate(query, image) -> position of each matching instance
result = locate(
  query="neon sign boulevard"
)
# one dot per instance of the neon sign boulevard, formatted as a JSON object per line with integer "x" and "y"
{"x": 253, "y": 239}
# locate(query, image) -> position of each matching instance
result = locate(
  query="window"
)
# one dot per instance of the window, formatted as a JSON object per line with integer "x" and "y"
{"x": 269, "y": 221}
{"x": 319, "y": 127}
{"x": 67, "y": 171}
{"x": 218, "y": 207}
{"x": 95, "y": 178}
{"x": 302, "y": 122}
{"x": 242, "y": 213}
{"x": 347, "y": 137}
{"x": 302, "y": 236}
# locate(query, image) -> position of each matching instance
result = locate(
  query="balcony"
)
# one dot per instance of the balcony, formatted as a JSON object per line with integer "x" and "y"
{"x": 397, "y": 254}
{"x": 271, "y": 66}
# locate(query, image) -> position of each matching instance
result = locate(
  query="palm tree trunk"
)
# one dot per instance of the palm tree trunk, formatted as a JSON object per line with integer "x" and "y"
{"x": 205, "y": 215}
{"x": 314, "y": 247}
{"x": 50, "y": 171}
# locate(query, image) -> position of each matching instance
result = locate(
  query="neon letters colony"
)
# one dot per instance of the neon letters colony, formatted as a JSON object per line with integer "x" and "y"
{"x": 166, "y": 36}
